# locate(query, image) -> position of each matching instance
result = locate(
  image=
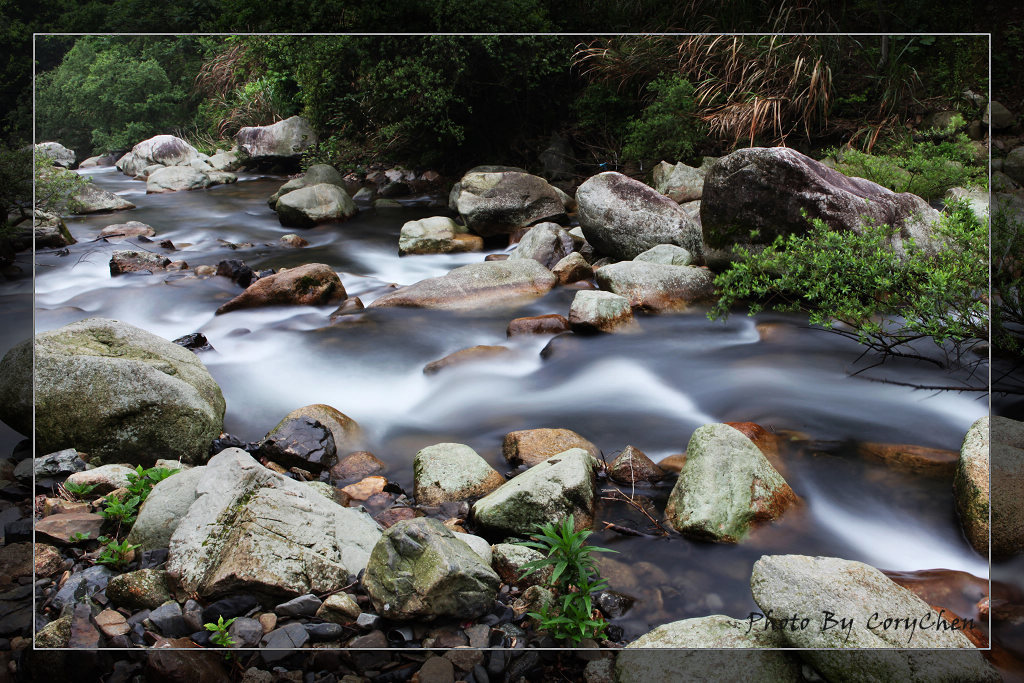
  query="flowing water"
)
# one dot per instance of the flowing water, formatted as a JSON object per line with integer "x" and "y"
{"x": 649, "y": 390}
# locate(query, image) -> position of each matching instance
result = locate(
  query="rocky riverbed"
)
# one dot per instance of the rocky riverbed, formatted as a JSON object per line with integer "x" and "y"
{"x": 362, "y": 438}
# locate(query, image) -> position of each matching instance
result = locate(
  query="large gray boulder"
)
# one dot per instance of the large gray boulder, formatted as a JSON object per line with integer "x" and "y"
{"x": 766, "y": 190}
{"x": 251, "y": 529}
{"x": 725, "y": 486}
{"x": 477, "y": 285}
{"x": 176, "y": 179}
{"x": 492, "y": 202}
{"x": 307, "y": 206}
{"x": 311, "y": 284}
{"x": 114, "y": 391}
{"x": 451, "y": 471}
{"x": 284, "y": 139}
{"x": 314, "y": 175}
{"x": 58, "y": 153}
{"x": 421, "y": 570}
{"x": 679, "y": 182}
{"x": 437, "y": 235}
{"x": 827, "y": 590}
{"x": 546, "y": 243}
{"x": 756, "y": 659}
{"x": 94, "y": 199}
{"x": 548, "y": 492}
{"x": 656, "y": 286}
{"x": 623, "y": 218}
{"x": 167, "y": 150}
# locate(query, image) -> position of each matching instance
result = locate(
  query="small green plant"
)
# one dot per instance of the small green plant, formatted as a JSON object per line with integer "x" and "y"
{"x": 574, "y": 575}
{"x": 115, "y": 554}
{"x": 79, "y": 537}
{"x": 121, "y": 512}
{"x": 77, "y": 490}
{"x": 141, "y": 481}
{"x": 219, "y": 632}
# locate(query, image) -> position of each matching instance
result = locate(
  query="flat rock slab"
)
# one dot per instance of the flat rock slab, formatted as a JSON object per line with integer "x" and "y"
{"x": 252, "y": 529}
{"x": 463, "y": 356}
{"x": 477, "y": 285}
{"x": 61, "y": 528}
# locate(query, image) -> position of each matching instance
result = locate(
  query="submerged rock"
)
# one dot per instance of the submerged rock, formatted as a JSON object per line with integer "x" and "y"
{"x": 305, "y": 207}
{"x": 312, "y": 284}
{"x": 725, "y": 486}
{"x": 121, "y": 231}
{"x": 478, "y": 285}
{"x": 463, "y": 356}
{"x": 421, "y": 570}
{"x": 538, "y": 324}
{"x": 436, "y": 235}
{"x": 114, "y": 391}
{"x": 450, "y": 472}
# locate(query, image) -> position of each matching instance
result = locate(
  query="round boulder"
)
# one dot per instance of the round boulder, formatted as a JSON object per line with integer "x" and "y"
{"x": 450, "y": 472}
{"x": 114, "y": 391}
{"x": 58, "y": 153}
{"x": 315, "y": 175}
{"x": 313, "y": 284}
{"x": 307, "y": 206}
{"x": 493, "y": 202}
{"x": 284, "y": 139}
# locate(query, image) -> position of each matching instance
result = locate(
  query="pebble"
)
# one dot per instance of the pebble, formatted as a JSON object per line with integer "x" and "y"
{"x": 268, "y": 621}
{"x": 112, "y": 623}
{"x": 325, "y": 631}
{"x": 279, "y": 642}
{"x": 168, "y": 619}
{"x": 234, "y": 606}
{"x": 246, "y": 632}
{"x": 437, "y": 670}
{"x": 302, "y": 606}
{"x": 365, "y": 620}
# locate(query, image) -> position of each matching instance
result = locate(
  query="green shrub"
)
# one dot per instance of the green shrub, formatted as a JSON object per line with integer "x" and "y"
{"x": 668, "y": 128}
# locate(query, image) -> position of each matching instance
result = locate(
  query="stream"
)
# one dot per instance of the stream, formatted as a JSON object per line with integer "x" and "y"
{"x": 649, "y": 390}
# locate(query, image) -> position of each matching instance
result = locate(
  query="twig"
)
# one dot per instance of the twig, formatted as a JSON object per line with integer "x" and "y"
{"x": 337, "y": 590}
{"x": 635, "y": 505}
{"x": 624, "y": 530}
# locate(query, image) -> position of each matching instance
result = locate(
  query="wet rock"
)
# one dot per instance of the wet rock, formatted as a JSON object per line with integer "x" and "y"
{"x": 593, "y": 312}
{"x": 196, "y": 342}
{"x": 385, "y": 204}
{"x": 142, "y": 589}
{"x": 312, "y": 284}
{"x": 183, "y": 664}
{"x": 668, "y": 254}
{"x": 255, "y": 530}
{"x": 623, "y": 218}
{"x": 16, "y": 611}
{"x": 692, "y": 638}
{"x": 365, "y": 488}
{"x": 477, "y": 285}
{"x": 112, "y": 623}
{"x": 59, "y": 464}
{"x": 546, "y": 243}
{"x": 767, "y": 189}
{"x": 81, "y": 585}
{"x": 725, "y": 486}
{"x": 657, "y": 286}
{"x": 531, "y": 446}
{"x": 395, "y": 514}
{"x": 103, "y": 479}
{"x": 339, "y": 608}
{"x": 95, "y": 383}
{"x": 300, "y": 442}
{"x": 230, "y": 607}
{"x": 420, "y": 570}
{"x": 168, "y": 619}
{"x": 911, "y": 458}
{"x": 184, "y": 178}
{"x": 547, "y": 492}
{"x": 349, "y": 306}
{"x": 508, "y": 559}
{"x": 437, "y": 670}
{"x": 167, "y": 150}
{"x": 293, "y": 240}
{"x": 451, "y": 472}
{"x": 497, "y": 200}
{"x": 316, "y": 174}
{"x": 633, "y": 466}
{"x": 801, "y": 585}
{"x": 285, "y": 139}
{"x": 538, "y": 324}
{"x": 128, "y": 261}
{"x": 55, "y": 634}
{"x": 348, "y": 436}
{"x": 236, "y": 271}
{"x": 308, "y": 206}
{"x": 463, "y": 356}
{"x": 302, "y": 606}
{"x": 164, "y": 508}
{"x": 324, "y": 632}
{"x": 679, "y": 182}
{"x": 63, "y": 527}
{"x": 123, "y": 231}
{"x": 357, "y": 465}
{"x": 437, "y": 235}
{"x": 94, "y": 199}
{"x": 572, "y": 268}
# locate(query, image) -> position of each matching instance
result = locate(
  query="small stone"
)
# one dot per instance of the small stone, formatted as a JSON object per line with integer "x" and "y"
{"x": 169, "y": 620}
{"x": 478, "y": 635}
{"x": 464, "y": 658}
{"x": 325, "y": 631}
{"x": 634, "y": 466}
{"x": 55, "y": 634}
{"x": 293, "y": 240}
{"x": 289, "y": 637}
{"x": 437, "y": 670}
{"x": 142, "y": 589}
{"x": 246, "y": 632}
{"x": 48, "y": 560}
{"x": 302, "y": 606}
{"x": 573, "y": 268}
{"x": 339, "y": 608}
{"x": 539, "y": 324}
{"x": 356, "y": 466}
{"x": 364, "y": 489}
{"x": 366, "y": 620}
{"x": 112, "y": 623}
{"x": 268, "y": 621}
{"x": 463, "y": 356}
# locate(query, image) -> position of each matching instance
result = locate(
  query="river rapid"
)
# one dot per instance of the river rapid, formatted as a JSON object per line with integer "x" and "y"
{"x": 649, "y": 390}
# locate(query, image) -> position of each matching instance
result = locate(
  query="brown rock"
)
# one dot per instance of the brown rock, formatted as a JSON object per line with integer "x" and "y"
{"x": 48, "y": 560}
{"x": 673, "y": 463}
{"x": 122, "y": 231}
{"x": 531, "y": 446}
{"x": 83, "y": 633}
{"x": 347, "y": 307}
{"x": 60, "y": 528}
{"x": 474, "y": 353}
{"x": 59, "y": 506}
{"x": 633, "y": 466}
{"x": 16, "y": 561}
{"x": 313, "y": 284}
{"x": 912, "y": 458}
{"x": 346, "y": 432}
{"x": 538, "y": 324}
{"x": 572, "y": 268}
{"x": 362, "y": 490}
{"x": 293, "y": 241}
{"x": 127, "y": 261}
{"x": 166, "y": 665}
{"x": 464, "y": 658}
{"x": 436, "y": 670}
{"x": 356, "y": 466}
{"x": 396, "y": 514}
{"x": 268, "y": 621}
{"x": 112, "y": 623}
{"x": 957, "y": 591}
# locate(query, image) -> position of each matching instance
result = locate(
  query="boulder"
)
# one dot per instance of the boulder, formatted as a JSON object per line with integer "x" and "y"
{"x": 668, "y": 254}
{"x": 977, "y": 199}
{"x": 179, "y": 178}
{"x": 224, "y": 161}
{"x": 451, "y": 472}
{"x": 312, "y": 284}
{"x": 420, "y": 570}
{"x": 121, "y": 231}
{"x": 546, "y": 243}
{"x": 477, "y": 285}
{"x": 284, "y": 139}
{"x": 436, "y": 235}
{"x": 130, "y": 261}
{"x": 114, "y": 391}
{"x": 251, "y": 529}
{"x": 94, "y": 199}
{"x": 508, "y": 559}
{"x": 679, "y": 182}
{"x": 48, "y": 230}
{"x": 657, "y": 286}
{"x": 757, "y": 659}
{"x": 623, "y": 218}
{"x": 61, "y": 528}
{"x": 593, "y": 312}
{"x": 348, "y": 436}
{"x": 300, "y": 442}
{"x": 58, "y": 153}
{"x": 316, "y": 174}
{"x": 878, "y": 614}
{"x": 493, "y": 202}
{"x": 101, "y": 161}
{"x": 161, "y": 149}
{"x": 548, "y": 492}
{"x": 572, "y": 268}
{"x": 766, "y": 190}
{"x": 163, "y": 509}
{"x": 307, "y": 206}
{"x": 998, "y": 115}
{"x": 531, "y": 446}
{"x": 138, "y": 590}
{"x": 725, "y": 486}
